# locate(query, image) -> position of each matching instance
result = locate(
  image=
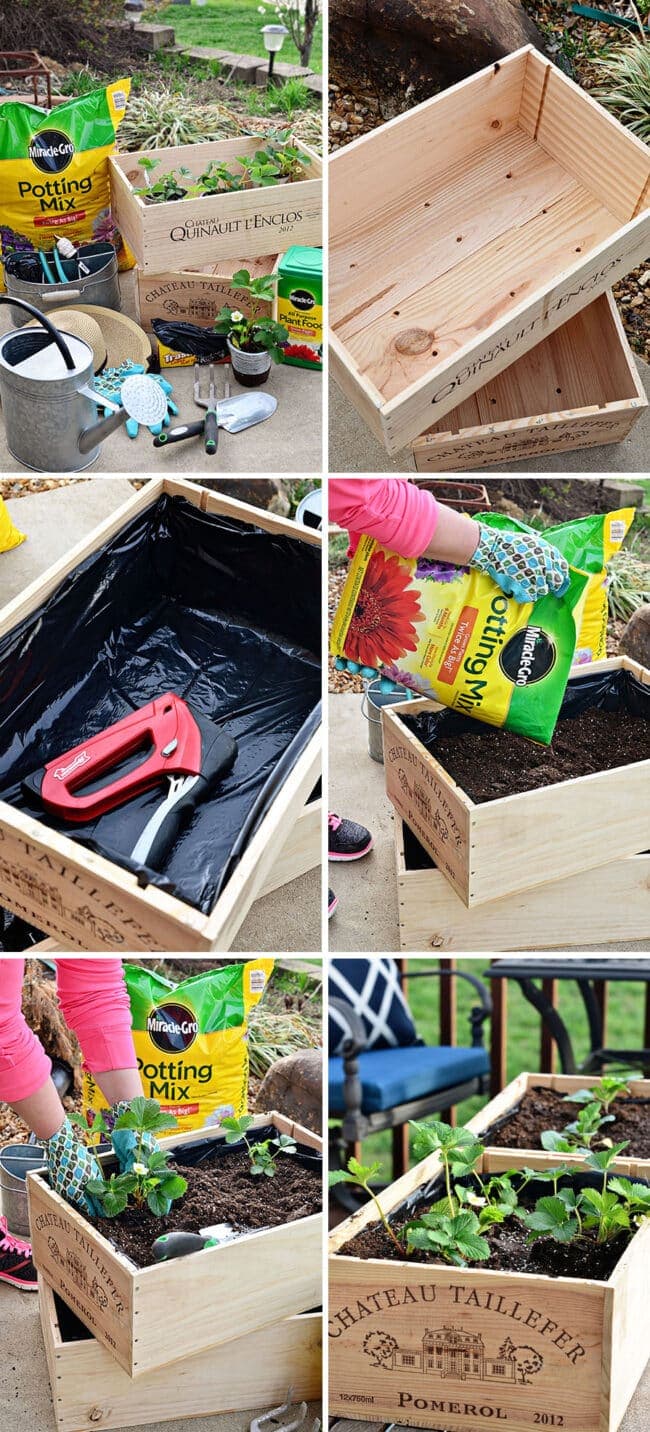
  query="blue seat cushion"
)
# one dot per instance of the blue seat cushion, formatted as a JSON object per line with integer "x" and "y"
{"x": 396, "y": 1076}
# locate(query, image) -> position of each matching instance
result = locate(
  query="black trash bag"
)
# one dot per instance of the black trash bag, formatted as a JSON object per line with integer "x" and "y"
{"x": 223, "y": 613}
{"x": 201, "y": 343}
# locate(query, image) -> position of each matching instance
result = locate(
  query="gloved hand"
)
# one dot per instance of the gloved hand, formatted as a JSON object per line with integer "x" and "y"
{"x": 109, "y": 383}
{"x": 522, "y": 564}
{"x": 71, "y": 1165}
{"x": 125, "y": 1141}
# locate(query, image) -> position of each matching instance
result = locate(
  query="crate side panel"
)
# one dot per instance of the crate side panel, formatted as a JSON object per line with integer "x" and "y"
{"x": 83, "y": 1270}
{"x": 431, "y": 1347}
{"x": 372, "y": 174}
{"x": 547, "y": 835}
{"x": 84, "y": 900}
{"x": 430, "y": 805}
{"x": 612, "y": 902}
{"x": 612, "y": 163}
{"x": 509, "y": 442}
{"x": 256, "y": 1290}
{"x": 626, "y": 1359}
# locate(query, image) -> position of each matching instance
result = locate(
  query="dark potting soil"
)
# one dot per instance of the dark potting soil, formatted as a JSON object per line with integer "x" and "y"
{"x": 224, "y": 1192}
{"x": 542, "y": 1109}
{"x": 510, "y": 1251}
{"x": 490, "y": 763}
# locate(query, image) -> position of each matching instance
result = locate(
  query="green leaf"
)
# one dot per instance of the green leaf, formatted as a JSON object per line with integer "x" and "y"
{"x": 555, "y": 1142}
{"x": 339, "y": 1175}
{"x": 158, "y": 1160}
{"x": 551, "y": 1218}
{"x": 241, "y": 279}
{"x": 363, "y": 1172}
{"x": 603, "y": 1160}
{"x": 127, "y": 1120}
{"x": 113, "y": 1203}
{"x": 173, "y": 1185}
{"x": 157, "y": 1202}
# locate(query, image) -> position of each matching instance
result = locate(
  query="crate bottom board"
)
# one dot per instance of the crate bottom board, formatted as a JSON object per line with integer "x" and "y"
{"x": 91, "y": 1391}
{"x": 611, "y": 903}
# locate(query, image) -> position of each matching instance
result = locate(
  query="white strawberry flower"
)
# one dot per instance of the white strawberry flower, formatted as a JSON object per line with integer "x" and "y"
{"x": 236, "y": 316}
{"x": 139, "y": 1168}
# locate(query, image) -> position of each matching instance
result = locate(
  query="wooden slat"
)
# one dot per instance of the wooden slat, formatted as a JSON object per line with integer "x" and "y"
{"x": 593, "y": 146}
{"x": 547, "y": 1043}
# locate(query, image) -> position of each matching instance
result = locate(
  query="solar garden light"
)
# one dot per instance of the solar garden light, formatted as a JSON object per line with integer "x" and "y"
{"x": 273, "y": 41}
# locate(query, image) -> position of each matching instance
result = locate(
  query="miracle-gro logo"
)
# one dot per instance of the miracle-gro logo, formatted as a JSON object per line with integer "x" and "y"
{"x": 51, "y": 151}
{"x": 172, "y": 1027}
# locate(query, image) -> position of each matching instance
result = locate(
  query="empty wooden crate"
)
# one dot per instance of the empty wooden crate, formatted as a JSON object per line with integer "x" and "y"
{"x": 578, "y": 388}
{"x": 610, "y": 903}
{"x": 465, "y": 231}
{"x": 90, "y": 1391}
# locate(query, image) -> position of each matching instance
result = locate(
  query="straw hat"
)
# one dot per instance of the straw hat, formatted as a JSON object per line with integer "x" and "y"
{"x": 123, "y": 340}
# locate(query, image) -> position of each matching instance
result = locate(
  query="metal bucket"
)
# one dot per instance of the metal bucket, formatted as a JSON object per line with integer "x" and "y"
{"x": 100, "y": 287}
{"x": 47, "y": 399}
{"x": 372, "y": 701}
{"x": 16, "y": 1161}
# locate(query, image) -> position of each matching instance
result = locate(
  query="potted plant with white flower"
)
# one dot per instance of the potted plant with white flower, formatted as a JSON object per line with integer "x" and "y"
{"x": 254, "y": 342}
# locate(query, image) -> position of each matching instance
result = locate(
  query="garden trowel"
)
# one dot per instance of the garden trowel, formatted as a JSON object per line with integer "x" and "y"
{"x": 177, "y": 1245}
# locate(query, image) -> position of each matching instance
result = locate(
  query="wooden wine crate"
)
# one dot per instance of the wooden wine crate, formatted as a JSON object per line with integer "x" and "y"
{"x": 225, "y": 1293}
{"x": 594, "y": 906}
{"x": 86, "y": 901}
{"x": 513, "y": 844}
{"x": 507, "y": 1100}
{"x": 460, "y": 1348}
{"x": 90, "y": 1391}
{"x": 197, "y": 297}
{"x": 465, "y": 231}
{"x": 187, "y": 233}
{"x": 578, "y": 388}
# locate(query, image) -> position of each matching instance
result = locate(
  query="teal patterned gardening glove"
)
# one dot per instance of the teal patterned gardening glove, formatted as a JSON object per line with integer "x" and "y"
{"x": 522, "y": 564}
{"x": 71, "y": 1165}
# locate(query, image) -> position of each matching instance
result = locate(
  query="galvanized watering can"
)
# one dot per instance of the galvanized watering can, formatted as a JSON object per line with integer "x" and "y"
{"x": 48, "y": 402}
{"x": 16, "y": 1161}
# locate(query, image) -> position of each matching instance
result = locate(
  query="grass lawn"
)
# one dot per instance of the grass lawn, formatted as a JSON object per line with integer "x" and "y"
{"x": 624, "y": 1029}
{"x": 234, "y": 25}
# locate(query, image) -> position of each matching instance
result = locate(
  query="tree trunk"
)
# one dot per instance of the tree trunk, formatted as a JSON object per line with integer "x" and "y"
{"x": 407, "y": 50}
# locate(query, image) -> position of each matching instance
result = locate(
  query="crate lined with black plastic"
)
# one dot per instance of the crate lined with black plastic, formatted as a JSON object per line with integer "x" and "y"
{"x": 181, "y": 591}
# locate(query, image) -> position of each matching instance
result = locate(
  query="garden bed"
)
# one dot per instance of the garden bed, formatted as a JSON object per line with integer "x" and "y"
{"x": 513, "y": 842}
{"x": 269, "y": 1274}
{"x": 489, "y": 764}
{"x": 173, "y": 235}
{"x": 221, "y": 1190}
{"x": 535, "y": 1103}
{"x": 427, "y": 1345}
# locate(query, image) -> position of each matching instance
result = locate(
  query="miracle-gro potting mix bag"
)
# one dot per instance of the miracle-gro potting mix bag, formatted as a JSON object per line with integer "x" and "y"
{"x": 451, "y": 634}
{"x": 54, "y": 178}
{"x": 191, "y": 1041}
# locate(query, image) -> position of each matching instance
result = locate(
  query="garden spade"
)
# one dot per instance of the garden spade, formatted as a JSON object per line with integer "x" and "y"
{"x": 177, "y": 1245}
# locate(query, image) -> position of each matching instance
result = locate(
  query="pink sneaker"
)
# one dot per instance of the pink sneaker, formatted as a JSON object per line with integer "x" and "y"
{"x": 16, "y": 1265}
{"x": 346, "y": 839}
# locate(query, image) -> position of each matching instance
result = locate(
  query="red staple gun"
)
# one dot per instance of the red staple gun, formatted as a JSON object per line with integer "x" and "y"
{"x": 162, "y": 741}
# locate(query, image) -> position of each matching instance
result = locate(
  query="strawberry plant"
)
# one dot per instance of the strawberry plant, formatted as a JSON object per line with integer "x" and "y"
{"x": 148, "y": 1180}
{"x": 263, "y": 1155}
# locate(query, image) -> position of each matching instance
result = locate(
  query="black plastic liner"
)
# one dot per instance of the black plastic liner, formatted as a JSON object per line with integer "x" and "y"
{"x": 219, "y": 611}
{"x": 207, "y": 1151}
{"x": 616, "y": 690}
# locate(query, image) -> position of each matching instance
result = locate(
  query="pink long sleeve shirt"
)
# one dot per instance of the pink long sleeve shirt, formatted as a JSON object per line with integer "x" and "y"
{"x": 95, "y": 1004}
{"x": 395, "y": 512}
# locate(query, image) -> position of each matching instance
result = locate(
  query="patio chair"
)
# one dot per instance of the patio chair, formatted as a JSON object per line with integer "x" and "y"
{"x": 381, "y": 1074}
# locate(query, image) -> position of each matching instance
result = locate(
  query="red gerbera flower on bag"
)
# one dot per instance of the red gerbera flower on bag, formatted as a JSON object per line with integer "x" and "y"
{"x": 382, "y": 627}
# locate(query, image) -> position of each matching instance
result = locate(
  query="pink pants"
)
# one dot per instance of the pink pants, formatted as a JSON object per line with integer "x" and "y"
{"x": 94, "y": 1003}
